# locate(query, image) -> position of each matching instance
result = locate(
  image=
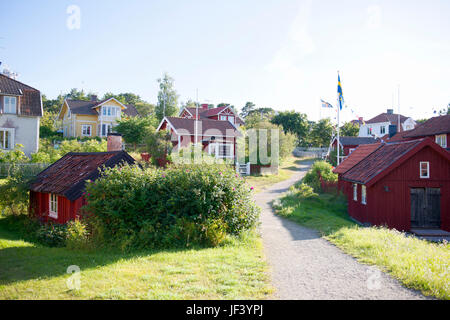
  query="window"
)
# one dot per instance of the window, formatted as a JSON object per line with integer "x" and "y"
{"x": 53, "y": 206}
{"x": 355, "y": 192}
{"x": 110, "y": 111}
{"x": 86, "y": 130}
{"x": 106, "y": 128}
{"x": 425, "y": 169}
{"x": 223, "y": 118}
{"x": 363, "y": 195}
{"x": 221, "y": 150}
{"x": 369, "y": 130}
{"x": 351, "y": 150}
{"x": 10, "y": 104}
{"x": 229, "y": 118}
{"x": 442, "y": 140}
{"x": 382, "y": 129}
{"x": 6, "y": 139}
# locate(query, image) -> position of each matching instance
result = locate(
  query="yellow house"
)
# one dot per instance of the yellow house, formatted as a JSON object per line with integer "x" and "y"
{"x": 92, "y": 118}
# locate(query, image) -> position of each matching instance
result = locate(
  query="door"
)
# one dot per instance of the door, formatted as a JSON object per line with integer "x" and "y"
{"x": 425, "y": 207}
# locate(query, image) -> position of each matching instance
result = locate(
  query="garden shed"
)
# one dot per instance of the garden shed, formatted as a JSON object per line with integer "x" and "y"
{"x": 57, "y": 193}
{"x": 402, "y": 185}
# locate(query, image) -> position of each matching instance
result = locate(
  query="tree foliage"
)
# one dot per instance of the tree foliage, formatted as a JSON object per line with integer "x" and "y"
{"x": 349, "y": 129}
{"x": 321, "y": 133}
{"x": 167, "y": 98}
{"x": 294, "y": 122}
{"x": 134, "y": 129}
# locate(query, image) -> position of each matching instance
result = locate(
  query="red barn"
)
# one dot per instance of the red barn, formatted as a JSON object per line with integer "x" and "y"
{"x": 403, "y": 185}
{"x": 57, "y": 193}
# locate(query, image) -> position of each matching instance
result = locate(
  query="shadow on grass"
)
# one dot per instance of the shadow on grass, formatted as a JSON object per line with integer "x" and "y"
{"x": 33, "y": 261}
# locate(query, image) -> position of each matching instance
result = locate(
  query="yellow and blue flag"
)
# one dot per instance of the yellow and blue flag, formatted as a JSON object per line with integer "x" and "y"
{"x": 340, "y": 96}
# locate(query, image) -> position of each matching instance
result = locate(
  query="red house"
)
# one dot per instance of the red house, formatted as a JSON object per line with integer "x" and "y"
{"x": 57, "y": 193}
{"x": 349, "y": 144}
{"x": 216, "y": 129}
{"x": 402, "y": 185}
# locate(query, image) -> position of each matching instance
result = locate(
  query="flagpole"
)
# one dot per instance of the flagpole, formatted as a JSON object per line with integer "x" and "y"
{"x": 338, "y": 143}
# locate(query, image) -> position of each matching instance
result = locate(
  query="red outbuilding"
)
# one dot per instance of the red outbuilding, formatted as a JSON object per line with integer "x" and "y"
{"x": 57, "y": 193}
{"x": 403, "y": 185}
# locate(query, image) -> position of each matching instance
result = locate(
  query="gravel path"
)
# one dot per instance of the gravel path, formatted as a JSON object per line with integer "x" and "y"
{"x": 305, "y": 266}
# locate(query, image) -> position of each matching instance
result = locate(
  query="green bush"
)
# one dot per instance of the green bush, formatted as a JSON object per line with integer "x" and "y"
{"x": 76, "y": 235}
{"x": 181, "y": 206}
{"x": 14, "y": 191}
{"x": 312, "y": 177}
{"x": 52, "y": 235}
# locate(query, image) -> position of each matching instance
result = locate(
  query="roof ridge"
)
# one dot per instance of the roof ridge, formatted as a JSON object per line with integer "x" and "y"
{"x": 19, "y": 82}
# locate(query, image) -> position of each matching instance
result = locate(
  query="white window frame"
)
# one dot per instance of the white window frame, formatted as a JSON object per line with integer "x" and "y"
{"x": 382, "y": 130}
{"x": 106, "y": 125}
{"x": 223, "y": 118}
{"x": 355, "y": 192}
{"x": 85, "y": 126}
{"x": 351, "y": 150}
{"x": 10, "y": 132}
{"x": 369, "y": 130}
{"x": 363, "y": 194}
{"x": 231, "y": 119}
{"x": 427, "y": 163}
{"x": 441, "y": 139}
{"x": 7, "y": 107}
{"x": 214, "y": 149}
{"x": 53, "y": 205}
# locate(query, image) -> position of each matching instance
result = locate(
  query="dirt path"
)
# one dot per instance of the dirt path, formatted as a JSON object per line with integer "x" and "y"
{"x": 305, "y": 266}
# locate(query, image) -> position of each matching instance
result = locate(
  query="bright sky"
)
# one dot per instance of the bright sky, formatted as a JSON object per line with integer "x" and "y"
{"x": 283, "y": 54}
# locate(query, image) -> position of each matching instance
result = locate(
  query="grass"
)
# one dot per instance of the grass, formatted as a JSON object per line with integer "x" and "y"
{"x": 235, "y": 270}
{"x": 418, "y": 264}
{"x": 285, "y": 170}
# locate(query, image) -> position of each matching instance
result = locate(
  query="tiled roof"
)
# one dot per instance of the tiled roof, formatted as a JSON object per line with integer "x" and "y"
{"x": 205, "y": 113}
{"x": 86, "y": 107}
{"x": 379, "y": 160}
{"x": 208, "y": 126}
{"x": 31, "y": 103}
{"x": 355, "y": 141}
{"x": 435, "y": 125}
{"x": 355, "y": 157}
{"x": 68, "y": 175}
{"x": 387, "y": 117}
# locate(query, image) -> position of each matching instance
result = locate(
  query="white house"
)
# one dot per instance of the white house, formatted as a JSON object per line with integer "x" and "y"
{"x": 20, "y": 113}
{"x": 379, "y": 125}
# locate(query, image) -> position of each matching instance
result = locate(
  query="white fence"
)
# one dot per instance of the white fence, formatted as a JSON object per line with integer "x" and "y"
{"x": 310, "y": 152}
{"x": 243, "y": 168}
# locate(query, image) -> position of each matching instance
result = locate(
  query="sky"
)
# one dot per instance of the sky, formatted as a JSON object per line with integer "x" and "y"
{"x": 283, "y": 54}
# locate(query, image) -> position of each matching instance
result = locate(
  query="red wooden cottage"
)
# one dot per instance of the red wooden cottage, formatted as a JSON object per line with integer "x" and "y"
{"x": 217, "y": 130}
{"x": 349, "y": 144}
{"x": 403, "y": 185}
{"x": 57, "y": 193}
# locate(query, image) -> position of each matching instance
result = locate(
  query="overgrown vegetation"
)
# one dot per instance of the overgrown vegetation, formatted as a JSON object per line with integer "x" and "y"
{"x": 418, "y": 264}
{"x": 322, "y": 168}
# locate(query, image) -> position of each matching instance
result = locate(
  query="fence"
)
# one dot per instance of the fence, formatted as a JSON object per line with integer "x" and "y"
{"x": 29, "y": 169}
{"x": 310, "y": 152}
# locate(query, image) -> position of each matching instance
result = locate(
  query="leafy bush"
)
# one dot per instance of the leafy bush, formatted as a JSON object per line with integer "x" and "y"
{"x": 76, "y": 235}
{"x": 326, "y": 172}
{"x": 14, "y": 156}
{"x": 52, "y": 235}
{"x": 181, "y": 206}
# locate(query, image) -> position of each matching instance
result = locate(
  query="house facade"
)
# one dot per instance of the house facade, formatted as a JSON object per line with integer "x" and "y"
{"x": 379, "y": 125}
{"x": 436, "y": 128}
{"x": 402, "y": 185}
{"x": 92, "y": 118}
{"x": 56, "y": 195}
{"x": 20, "y": 113}
{"x": 225, "y": 113}
{"x": 349, "y": 144}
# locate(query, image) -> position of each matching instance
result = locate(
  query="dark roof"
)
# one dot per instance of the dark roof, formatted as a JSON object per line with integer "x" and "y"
{"x": 206, "y": 113}
{"x": 68, "y": 175}
{"x": 387, "y": 117}
{"x": 379, "y": 160}
{"x": 84, "y": 107}
{"x": 31, "y": 102}
{"x": 214, "y": 127}
{"x": 355, "y": 141}
{"x": 356, "y": 156}
{"x": 435, "y": 125}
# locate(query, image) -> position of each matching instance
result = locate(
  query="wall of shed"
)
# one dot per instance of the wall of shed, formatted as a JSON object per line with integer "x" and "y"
{"x": 67, "y": 210}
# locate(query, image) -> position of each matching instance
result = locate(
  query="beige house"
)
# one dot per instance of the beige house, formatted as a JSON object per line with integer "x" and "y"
{"x": 92, "y": 118}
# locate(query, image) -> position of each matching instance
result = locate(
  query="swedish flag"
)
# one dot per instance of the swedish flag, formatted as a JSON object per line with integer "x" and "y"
{"x": 339, "y": 90}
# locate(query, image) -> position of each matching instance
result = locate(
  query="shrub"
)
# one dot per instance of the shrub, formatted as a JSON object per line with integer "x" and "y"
{"x": 326, "y": 172}
{"x": 52, "y": 235}
{"x": 14, "y": 193}
{"x": 76, "y": 235}
{"x": 181, "y": 206}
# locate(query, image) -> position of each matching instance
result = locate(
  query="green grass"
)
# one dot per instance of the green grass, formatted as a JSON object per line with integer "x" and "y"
{"x": 418, "y": 264}
{"x": 236, "y": 270}
{"x": 285, "y": 170}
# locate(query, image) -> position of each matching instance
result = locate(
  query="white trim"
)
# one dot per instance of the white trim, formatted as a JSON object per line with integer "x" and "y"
{"x": 428, "y": 169}
{"x": 53, "y": 213}
{"x": 355, "y": 192}
{"x": 171, "y": 125}
{"x": 11, "y": 141}
{"x": 184, "y": 108}
{"x": 112, "y": 98}
{"x": 363, "y": 194}
{"x": 226, "y": 109}
{"x": 217, "y": 148}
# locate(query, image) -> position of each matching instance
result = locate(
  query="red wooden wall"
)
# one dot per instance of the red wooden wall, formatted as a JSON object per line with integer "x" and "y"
{"x": 67, "y": 210}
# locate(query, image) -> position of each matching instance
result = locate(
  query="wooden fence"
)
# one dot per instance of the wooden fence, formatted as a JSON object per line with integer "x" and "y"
{"x": 29, "y": 169}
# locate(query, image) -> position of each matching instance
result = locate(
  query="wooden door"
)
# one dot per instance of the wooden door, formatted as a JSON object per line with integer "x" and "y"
{"x": 425, "y": 207}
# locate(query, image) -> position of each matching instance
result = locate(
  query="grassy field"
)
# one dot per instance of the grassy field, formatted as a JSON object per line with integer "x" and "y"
{"x": 236, "y": 270}
{"x": 286, "y": 169}
{"x": 418, "y": 264}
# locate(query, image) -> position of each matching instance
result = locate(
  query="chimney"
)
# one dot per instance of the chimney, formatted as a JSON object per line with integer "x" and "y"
{"x": 392, "y": 130}
{"x": 360, "y": 119}
{"x": 390, "y": 111}
{"x": 114, "y": 142}
{"x": 94, "y": 97}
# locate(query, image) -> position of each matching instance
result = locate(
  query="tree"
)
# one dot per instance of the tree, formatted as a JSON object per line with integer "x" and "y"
{"x": 321, "y": 133}
{"x": 349, "y": 129}
{"x": 167, "y": 98}
{"x": 249, "y": 106}
{"x": 258, "y": 115}
{"x": 134, "y": 129}
{"x": 143, "y": 107}
{"x": 47, "y": 127}
{"x": 294, "y": 122}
